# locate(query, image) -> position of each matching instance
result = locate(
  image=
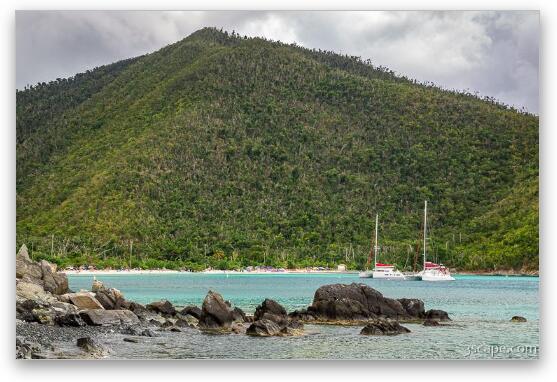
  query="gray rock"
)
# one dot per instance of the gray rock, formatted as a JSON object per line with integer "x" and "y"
{"x": 85, "y": 300}
{"x": 43, "y": 273}
{"x": 103, "y": 317}
{"x": 89, "y": 345}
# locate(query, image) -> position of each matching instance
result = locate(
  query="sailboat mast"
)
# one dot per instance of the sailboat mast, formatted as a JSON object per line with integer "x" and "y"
{"x": 425, "y": 230}
{"x": 376, "y": 234}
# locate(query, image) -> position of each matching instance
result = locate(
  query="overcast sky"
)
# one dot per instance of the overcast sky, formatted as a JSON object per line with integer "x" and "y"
{"x": 493, "y": 53}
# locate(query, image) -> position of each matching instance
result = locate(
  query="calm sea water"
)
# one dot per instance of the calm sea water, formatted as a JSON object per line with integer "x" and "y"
{"x": 480, "y": 306}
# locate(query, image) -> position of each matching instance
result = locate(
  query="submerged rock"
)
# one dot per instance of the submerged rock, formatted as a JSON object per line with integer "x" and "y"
{"x": 518, "y": 319}
{"x": 384, "y": 327}
{"x": 431, "y": 322}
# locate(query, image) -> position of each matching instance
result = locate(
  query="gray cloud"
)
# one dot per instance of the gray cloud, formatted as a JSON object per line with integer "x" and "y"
{"x": 493, "y": 53}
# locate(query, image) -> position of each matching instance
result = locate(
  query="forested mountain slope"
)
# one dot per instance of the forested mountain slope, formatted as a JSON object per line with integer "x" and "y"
{"x": 226, "y": 151}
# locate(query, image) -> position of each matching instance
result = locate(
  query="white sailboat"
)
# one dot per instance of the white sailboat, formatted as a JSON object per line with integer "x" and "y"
{"x": 432, "y": 271}
{"x": 380, "y": 270}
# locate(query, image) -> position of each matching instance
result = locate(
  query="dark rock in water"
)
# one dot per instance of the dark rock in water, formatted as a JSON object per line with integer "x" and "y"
{"x": 436, "y": 314}
{"x": 269, "y": 306}
{"x": 518, "y": 319}
{"x": 164, "y": 307}
{"x": 430, "y": 322}
{"x": 354, "y": 302}
{"x": 103, "y": 317}
{"x": 90, "y": 346}
{"x": 413, "y": 306}
{"x": 192, "y": 311}
{"x": 263, "y": 328}
{"x": 384, "y": 327}
{"x": 295, "y": 324}
{"x": 215, "y": 313}
{"x": 302, "y": 315}
{"x": 175, "y": 329}
{"x": 272, "y": 311}
{"x": 128, "y": 339}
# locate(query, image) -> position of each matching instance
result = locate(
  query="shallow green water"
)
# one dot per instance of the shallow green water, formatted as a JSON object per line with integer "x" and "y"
{"x": 480, "y": 307}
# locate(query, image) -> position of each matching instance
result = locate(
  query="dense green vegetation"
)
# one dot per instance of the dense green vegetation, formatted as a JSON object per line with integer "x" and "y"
{"x": 227, "y": 151}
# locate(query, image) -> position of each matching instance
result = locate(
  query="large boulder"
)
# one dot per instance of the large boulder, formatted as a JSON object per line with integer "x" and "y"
{"x": 383, "y": 327}
{"x": 215, "y": 312}
{"x": 25, "y": 268}
{"x": 54, "y": 282}
{"x": 43, "y": 273}
{"x": 339, "y": 302}
{"x": 84, "y": 300}
{"x": 98, "y": 317}
{"x": 273, "y": 311}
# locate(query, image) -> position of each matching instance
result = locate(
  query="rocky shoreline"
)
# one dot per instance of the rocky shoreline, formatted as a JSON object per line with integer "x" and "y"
{"x": 49, "y": 315}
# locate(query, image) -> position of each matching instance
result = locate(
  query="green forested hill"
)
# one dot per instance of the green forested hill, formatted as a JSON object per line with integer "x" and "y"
{"x": 226, "y": 151}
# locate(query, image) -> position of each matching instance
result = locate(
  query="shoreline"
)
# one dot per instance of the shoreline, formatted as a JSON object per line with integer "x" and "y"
{"x": 108, "y": 272}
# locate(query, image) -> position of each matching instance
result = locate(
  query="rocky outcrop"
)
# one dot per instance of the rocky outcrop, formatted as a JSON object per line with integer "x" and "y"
{"x": 34, "y": 304}
{"x": 356, "y": 302}
{"x": 103, "y": 317}
{"x": 215, "y": 313}
{"x": 42, "y": 273}
{"x": 518, "y": 319}
{"x": 383, "y": 327}
{"x": 271, "y": 319}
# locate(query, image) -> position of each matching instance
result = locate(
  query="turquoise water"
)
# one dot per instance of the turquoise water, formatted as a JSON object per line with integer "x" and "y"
{"x": 480, "y": 306}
